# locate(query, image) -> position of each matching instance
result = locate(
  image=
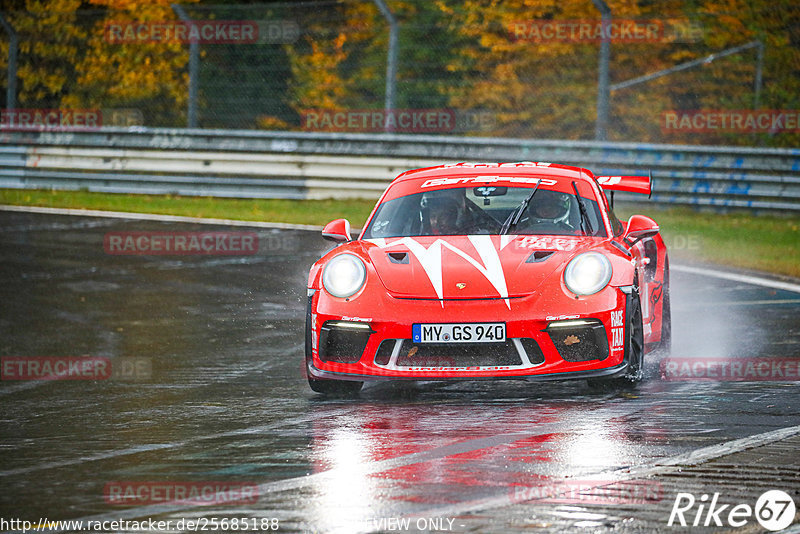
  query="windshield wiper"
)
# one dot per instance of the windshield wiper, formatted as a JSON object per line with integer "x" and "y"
{"x": 514, "y": 217}
{"x": 584, "y": 215}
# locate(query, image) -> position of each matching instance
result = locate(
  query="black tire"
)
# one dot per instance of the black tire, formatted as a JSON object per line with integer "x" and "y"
{"x": 633, "y": 348}
{"x": 335, "y": 387}
{"x": 666, "y": 315}
{"x": 326, "y": 387}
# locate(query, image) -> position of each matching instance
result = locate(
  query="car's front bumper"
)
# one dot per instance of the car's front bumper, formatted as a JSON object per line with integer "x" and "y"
{"x": 382, "y": 348}
{"x": 607, "y": 372}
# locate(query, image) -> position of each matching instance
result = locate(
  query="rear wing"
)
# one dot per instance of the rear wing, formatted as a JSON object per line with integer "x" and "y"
{"x": 629, "y": 184}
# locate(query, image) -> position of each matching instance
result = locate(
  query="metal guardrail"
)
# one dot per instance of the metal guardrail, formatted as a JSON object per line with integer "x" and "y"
{"x": 256, "y": 164}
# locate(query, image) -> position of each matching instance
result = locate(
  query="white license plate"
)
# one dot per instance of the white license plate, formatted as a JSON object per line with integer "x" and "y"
{"x": 458, "y": 333}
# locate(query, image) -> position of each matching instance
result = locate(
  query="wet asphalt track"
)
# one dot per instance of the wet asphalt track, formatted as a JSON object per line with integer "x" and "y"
{"x": 226, "y": 401}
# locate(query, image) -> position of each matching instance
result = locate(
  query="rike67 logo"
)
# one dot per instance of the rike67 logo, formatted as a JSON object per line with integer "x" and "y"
{"x": 774, "y": 510}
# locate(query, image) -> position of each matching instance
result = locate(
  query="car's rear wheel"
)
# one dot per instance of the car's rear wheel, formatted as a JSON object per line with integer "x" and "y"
{"x": 633, "y": 348}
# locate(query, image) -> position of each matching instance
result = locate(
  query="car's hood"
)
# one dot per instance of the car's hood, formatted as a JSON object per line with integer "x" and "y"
{"x": 477, "y": 266}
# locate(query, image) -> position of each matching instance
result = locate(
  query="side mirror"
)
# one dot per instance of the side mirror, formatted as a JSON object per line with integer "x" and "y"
{"x": 338, "y": 230}
{"x": 640, "y": 227}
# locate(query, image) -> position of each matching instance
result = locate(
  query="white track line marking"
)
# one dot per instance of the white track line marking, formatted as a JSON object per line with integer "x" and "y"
{"x": 765, "y": 282}
{"x": 743, "y": 278}
{"x": 309, "y": 480}
{"x": 150, "y": 447}
{"x": 155, "y": 217}
{"x": 727, "y": 304}
{"x": 8, "y": 390}
{"x": 368, "y": 468}
{"x": 658, "y": 467}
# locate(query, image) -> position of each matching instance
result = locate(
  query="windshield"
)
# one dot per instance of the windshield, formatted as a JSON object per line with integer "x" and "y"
{"x": 483, "y": 210}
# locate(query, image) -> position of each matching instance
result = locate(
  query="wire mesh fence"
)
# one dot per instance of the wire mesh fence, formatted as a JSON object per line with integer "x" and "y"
{"x": 523, "y": 69}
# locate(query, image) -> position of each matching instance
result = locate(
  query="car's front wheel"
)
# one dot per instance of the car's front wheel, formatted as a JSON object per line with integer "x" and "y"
{"x": 335, "y": 387}
{"x": 666, "y": 315}
{"x": 327, "y": 387}
{"x": 633, "y": 348}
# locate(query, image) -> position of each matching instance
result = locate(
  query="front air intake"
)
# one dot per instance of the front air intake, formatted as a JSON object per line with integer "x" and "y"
{"x": 579, "y": 341}
{"x": 343, "y": 341}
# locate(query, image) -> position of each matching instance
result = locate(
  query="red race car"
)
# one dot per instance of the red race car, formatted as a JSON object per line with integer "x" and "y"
{"x": 490, "y": 270}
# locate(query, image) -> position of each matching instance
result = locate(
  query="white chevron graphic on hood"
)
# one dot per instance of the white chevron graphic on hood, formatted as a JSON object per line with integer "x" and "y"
{"x": 431, "y": 261}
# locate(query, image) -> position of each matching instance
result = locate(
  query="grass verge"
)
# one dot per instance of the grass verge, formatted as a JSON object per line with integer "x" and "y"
{"x": 739, "y": 240}
{"x": 318, "y": 212}
{"x": 766, "y": 243}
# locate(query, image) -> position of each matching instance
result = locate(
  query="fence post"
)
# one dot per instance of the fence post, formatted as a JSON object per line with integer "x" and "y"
{"x": 757, "y": 80}
{"x": 11, "y": 90}
{"x": 391, "y": 60}
{"x": 601, "y": 124}
{"x": 194, "y": 55}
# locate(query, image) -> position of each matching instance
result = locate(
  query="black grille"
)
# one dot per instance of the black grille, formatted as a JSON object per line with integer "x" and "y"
{"x": 342, "y": 345}
{"x": 580, "y": 343}
{"x": 384, "y": 352}
{"x": 457, "y": 355}
{"x": 532, "y": 349}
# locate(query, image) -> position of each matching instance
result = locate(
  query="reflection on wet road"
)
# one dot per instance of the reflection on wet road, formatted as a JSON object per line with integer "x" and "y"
{"x": 220, "y": 398}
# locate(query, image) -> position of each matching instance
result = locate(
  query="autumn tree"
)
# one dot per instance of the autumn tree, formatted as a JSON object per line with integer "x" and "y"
{"x": 149, "y": 76}
{"x": 549, "y": 89}
{"x": 457, "y": 54}
{"x": 50, "y": 38}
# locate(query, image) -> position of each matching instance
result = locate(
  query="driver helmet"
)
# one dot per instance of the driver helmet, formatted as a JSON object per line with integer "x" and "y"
{"x": 441, "y": 213}
{"x": 550, "y": 206}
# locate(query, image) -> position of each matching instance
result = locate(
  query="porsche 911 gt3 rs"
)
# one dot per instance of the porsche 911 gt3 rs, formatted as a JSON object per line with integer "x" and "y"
{"x": 490, "y": 270}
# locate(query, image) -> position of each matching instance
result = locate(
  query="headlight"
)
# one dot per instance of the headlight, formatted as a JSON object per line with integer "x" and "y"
{"x": 587, "y": 273}
{"x": 344, "y": 275}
